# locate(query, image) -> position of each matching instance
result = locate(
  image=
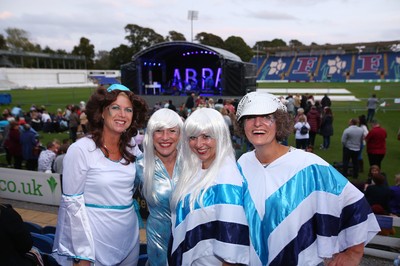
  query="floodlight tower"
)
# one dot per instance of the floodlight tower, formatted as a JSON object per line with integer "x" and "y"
{"x": 192, "y": 15}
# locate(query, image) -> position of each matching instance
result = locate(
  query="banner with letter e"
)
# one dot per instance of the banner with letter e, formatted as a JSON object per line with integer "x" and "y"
{"x": 30, "y": 186}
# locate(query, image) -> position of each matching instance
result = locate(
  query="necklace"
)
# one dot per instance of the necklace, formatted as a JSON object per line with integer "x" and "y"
{"x": 109, "y": 151}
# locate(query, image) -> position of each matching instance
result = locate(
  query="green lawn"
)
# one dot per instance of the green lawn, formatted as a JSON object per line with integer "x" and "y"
{"x": 343, "y": 111}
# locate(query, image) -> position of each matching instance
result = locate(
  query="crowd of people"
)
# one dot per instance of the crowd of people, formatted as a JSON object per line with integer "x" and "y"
{"x": 20, "y": 135}
{"x": 222, "y": 184}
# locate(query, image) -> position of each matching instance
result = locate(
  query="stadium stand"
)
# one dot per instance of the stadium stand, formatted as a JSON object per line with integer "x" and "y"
{"x": 102, "y": 80}
{"x": 331, "y": 67}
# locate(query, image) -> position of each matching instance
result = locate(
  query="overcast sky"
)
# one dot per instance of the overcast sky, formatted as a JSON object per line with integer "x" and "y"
{"x": 60, "y": 24}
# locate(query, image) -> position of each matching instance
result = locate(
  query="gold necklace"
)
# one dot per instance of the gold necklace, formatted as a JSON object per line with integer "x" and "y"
{"x": 108, "y": 151}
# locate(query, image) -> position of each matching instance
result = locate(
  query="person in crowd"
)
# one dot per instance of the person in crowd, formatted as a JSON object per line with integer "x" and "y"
{"x": 161, "y": 172}
{"x": 73, "y": 123}
{"x": 210, "y": 103}
{"x": 13, "y": 143}
{"x": 189, "y": 104}
{"x": 209, "y": 225}
{"x": 362, "y": 123}
{"x": 326, "y": 101}
{"x": 294, "y": 198}
{"x": 47, "y": 122}
{"x": 394, "y": 203}
{"x": 17, "y": 111}
{"x": 219, "y": 105}
{"x": 376, "y": 144}
{"x": 58, "y": 161}
{"x": 58, "y": 121}
{"x": 374, "y": 170}
{"x": 300, "y": 112}
{"x": 15, "y": 239}
{"x": 228, "y": 104}
{"x": 318, "y": 107}
{"x": 97, "y": 222}
{"x": 326, "y": 129}
{"x": 314, "y": 119}
{"x": 352, "y": 138}
{"x": 297, "y": 102}
{"x": 83, "y": 121}
{"x": 30, "y": 147}
{"x": 171, "y": 106}
{"x": 301, "y": 136}
{"x": 290, "y": 104}
{"x": 227, "y": 118}
{"x": 47, "y": 157}
{"x": 5, "y": 143}
{"x": 372, "y": 104}
{"x": 378, "y": 195}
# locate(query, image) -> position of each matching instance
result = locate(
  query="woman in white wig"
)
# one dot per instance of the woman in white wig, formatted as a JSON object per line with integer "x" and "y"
{"x": 209, "y": 225}
{"x": 161, "y": 171}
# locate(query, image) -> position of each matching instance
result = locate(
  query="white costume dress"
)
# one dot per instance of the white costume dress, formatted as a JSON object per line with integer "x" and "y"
{"x": 301, "y": 210}
{"x": 218, "y": 230}
{"x": 97, "y": 220}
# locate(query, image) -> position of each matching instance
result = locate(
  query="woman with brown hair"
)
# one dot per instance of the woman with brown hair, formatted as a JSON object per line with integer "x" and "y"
{"x": 97, "y": 222}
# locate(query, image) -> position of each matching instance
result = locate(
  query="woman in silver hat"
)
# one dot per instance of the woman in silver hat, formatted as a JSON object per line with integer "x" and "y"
{"x": 300, "y": 210}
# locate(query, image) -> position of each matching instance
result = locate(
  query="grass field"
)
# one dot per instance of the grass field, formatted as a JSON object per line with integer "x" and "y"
{"x": 343, "y": 111}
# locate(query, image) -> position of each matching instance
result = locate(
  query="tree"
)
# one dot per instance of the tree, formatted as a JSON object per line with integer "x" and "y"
{"x": 119, "y": 56}
{"x": 175, "y": 36}
{"x": 269, "y": 44}
{"x": 48, "y": 50}
{"x": 3, "y": 43}
{"x": 102, "y": 60}
{"x": 18, "y": 40}
{"x": 210, "y": 39}
{"x": 237, "y": 46}
{"x": 141, "y": 38}
{"x": 85, "y": 49}
{"x": 295, "y": 43}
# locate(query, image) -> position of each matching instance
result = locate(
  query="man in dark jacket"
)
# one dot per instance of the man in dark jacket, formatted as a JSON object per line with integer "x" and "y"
{"x": 30, "y": 147}
{"x": 326, "y": 101}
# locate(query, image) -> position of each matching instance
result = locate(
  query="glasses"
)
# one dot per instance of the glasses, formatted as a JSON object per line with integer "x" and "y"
{"x": 203, "y": 137}
{"x": 116, "y": 109}
{"x": 269, "y": 119}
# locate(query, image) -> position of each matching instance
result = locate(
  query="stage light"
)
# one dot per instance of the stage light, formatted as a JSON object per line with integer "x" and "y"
{"x": 145, "y": 63}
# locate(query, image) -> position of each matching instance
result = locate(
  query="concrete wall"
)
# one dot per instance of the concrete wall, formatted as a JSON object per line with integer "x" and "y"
{"x": 14, "y": 78}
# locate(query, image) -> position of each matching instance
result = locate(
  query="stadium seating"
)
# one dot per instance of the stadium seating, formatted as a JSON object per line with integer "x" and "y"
{"x": 102, "y": 80}
{"x": 42, "y": 242}
{"x": 49, "y": 229}
{"x": 330, "y": 67}
{"x": 33, "y": 227}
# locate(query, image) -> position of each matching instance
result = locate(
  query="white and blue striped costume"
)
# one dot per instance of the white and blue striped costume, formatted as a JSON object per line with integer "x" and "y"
{"x": 97, "y": 219}
{"x": 218, "y": 230}
{"x": 301, "y": 210}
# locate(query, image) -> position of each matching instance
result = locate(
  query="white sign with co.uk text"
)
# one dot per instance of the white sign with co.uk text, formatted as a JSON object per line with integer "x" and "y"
{"x": 30, "y": 186}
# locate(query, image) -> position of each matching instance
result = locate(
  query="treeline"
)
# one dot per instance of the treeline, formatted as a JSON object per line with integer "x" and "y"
{"x": 139, "y": 38}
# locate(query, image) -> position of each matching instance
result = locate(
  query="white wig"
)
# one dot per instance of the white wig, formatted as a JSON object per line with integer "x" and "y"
{"x": 202, "y": 121}
{"x": 162, "y": 119}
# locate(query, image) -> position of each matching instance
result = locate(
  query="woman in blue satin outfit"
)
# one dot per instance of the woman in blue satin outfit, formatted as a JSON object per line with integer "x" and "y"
{"x": 161, "y": 171}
